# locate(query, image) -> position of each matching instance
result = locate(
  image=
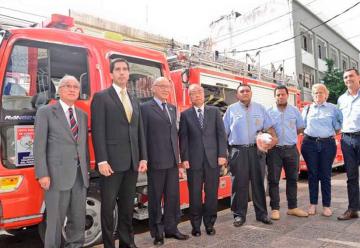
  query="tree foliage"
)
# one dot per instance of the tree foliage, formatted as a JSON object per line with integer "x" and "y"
{"x": 334, "y": 81}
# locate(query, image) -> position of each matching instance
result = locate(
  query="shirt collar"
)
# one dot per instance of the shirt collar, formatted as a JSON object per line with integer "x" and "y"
{"x": 202, "y": 108}
{"x": 320, "y": 105}
{"x": 118, "y": 89}
{"x": 348, "y": 93}
{"x": 243, "y": 105}
{"x": 65, "y": 107}
{"x": 158, "y": 101}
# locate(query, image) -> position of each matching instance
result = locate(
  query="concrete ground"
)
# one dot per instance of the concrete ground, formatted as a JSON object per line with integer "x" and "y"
{"x": 289, "y": 231}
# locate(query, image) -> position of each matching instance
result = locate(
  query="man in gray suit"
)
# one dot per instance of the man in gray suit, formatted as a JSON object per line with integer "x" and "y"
{"x": 61, "y": 165}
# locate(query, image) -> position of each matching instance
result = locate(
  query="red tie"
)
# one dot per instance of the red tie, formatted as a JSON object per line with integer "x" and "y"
{"x": 73, "y": 124}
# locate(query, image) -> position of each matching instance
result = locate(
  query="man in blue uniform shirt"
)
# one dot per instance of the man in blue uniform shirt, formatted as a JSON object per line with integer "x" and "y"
{"x": 349, "y": 104}
{"x": 243, "y": 121}
{"x": 288, "y": 124}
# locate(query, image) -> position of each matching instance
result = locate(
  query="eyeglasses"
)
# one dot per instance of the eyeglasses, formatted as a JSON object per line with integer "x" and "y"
{"x": 166, "y": 87}
{"x": 69, "y": 86}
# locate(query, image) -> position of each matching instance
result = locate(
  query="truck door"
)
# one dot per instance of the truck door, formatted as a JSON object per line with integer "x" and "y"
{"x": 31, "y": 77}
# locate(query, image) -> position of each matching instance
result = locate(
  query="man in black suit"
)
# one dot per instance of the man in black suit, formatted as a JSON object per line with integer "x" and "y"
{"x": 120, "y": 151}
{"x": 203, "y": 150}
{"x": 163, "y": 174}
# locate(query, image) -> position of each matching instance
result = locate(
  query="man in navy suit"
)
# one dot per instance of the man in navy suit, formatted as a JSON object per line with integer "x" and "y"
{"x": 203, "y": 150}
{"x": 159, "y": 119}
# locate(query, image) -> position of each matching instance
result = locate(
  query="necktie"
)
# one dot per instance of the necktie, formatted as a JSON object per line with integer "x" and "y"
{"x": 126, "y": 103}
{"x": 165, "y": 111}
{"x": 73, "y": 124}
{"x": 201, "y": 118}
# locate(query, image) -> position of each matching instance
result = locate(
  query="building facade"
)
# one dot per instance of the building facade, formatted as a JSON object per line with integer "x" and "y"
{"x": 280, "y": 35}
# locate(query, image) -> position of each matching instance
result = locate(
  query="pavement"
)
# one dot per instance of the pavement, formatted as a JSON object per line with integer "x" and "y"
{"x": 289, "y": 231}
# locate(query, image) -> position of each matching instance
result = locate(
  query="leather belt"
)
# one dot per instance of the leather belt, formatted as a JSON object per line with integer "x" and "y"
{"x": 318, "y": 139}
{"x": 352, "y": 134}
{"x": 242, "y": 146}
{"x": 285, "y": 146}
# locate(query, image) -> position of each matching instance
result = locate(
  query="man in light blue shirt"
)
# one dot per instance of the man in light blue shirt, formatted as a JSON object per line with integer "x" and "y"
{"x": 243, "y": 121}
{"x": 349, "y": 104}
{"x": 288, "y": 123}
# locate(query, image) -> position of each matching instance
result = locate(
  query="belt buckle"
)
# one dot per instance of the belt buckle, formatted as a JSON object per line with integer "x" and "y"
{"x": 318, "y": 139}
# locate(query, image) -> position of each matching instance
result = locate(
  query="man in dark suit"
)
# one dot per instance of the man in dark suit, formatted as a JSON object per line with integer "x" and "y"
{"x": 203, "y": 149}
{"x": 61, "y": 165}
{"x": 120, "y": 151}
{"x": 163, "y": 174}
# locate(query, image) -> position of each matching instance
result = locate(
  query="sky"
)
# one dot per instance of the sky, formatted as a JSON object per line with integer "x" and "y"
{"x": 186, "y": 21}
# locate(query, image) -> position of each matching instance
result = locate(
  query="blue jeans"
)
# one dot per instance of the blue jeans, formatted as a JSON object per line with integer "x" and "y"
{"x": 350, "y": 146}
{"x": 319, "y": 157}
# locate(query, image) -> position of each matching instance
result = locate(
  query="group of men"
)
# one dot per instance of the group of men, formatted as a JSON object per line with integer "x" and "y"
{"x": 129, "y": 138}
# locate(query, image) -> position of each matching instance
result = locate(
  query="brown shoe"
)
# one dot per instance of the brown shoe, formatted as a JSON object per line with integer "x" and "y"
{"x": 275, "y": 215}
{"x": 297, "y": 212}
{"x": 349, "y": 214}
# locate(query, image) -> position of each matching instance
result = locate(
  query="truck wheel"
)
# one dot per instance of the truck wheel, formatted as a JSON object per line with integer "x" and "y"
{"x": 92, "y": 222}
{"x": 93, "y": 219}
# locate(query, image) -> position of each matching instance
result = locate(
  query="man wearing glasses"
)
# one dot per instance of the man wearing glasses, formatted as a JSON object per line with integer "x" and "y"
{"x": 61, "y": 165}
{"x": 243, "y": 121}
{"x": 160, "y": 128}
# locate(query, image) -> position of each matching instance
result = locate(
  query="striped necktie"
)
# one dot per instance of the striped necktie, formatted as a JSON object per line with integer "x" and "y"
{"x": 73, "y": 124}
{"x": 201, "y": 118}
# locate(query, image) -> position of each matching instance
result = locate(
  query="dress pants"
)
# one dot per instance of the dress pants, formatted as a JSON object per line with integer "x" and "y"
{"x": 71, "y": 204}
{"x": 163, "y": 187}
{"x": 319, "y": 157}
{"x": 247, "y": 164}
{"x": 207, "y": 179}
{"x": 286, "y": 157}
{"x": 350, "y": 146}
{"x": 119, "y": 188}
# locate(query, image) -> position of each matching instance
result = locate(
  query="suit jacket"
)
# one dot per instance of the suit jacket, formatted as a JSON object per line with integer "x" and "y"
{"x": 161, "y": 135}
{"x": 56, "y": 152}
{"x": 197, "y": 144}
{"x": 120, "y": 143}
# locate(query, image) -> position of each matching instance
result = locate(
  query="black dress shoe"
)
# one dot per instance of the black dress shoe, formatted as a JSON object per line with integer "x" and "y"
{"x": 239, "y": 221}
{"x": 177, "y": 235}
{"x": 159, "y": 240}
{"x": 266, "y": 220}
{"x": 195, "y": 233}
{"x": 349, "y": 214}
{"x": 210, "y": 231}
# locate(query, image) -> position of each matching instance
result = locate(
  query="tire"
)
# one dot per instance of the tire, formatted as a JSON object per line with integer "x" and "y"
{"x": 92, "y": 222}
{"x": 93, "y": 234}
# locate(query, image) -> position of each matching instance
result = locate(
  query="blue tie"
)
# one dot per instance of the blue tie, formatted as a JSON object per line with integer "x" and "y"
{"x": 201, "y": 118}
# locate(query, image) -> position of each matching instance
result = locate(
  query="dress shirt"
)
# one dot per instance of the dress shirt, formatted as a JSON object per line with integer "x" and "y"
{"x": 118, "y": 89}
{"x": 350, "y": 107}
{"x": 66, "y": 107}
{"x": 321, "y": 120}
{"x": 159, "y": 102}
{"x": 286, "y": 123}
{"x": 243, "y": 123}
{"x": 197, "y": 110}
